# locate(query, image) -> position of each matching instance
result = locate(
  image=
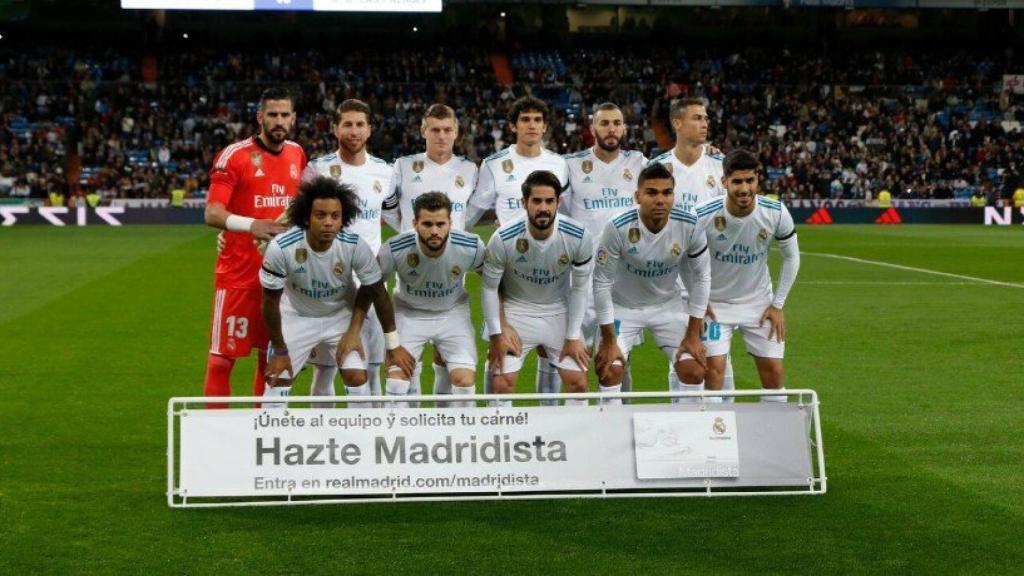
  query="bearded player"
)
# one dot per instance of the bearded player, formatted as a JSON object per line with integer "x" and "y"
{"x": 251, "y": 184}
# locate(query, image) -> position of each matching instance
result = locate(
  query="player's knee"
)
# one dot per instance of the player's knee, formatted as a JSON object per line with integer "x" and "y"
{"x": 279, "y": 383}
{"x": 463, "y": 378}
{"x": 503, "y": 384}
{"x": 614, "y": 376}
{"x": 354, "y": 377}
{"x": 689, "y": 372}
{"x": 397, "y": 373}
{"x": 574, "y": 381}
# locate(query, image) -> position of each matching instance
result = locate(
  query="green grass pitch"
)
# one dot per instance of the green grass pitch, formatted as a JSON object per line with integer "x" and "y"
{"x": 921, "y": 378}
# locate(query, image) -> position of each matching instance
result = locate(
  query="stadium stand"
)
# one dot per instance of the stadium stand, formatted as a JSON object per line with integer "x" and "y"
{"x": 838, "y": 125}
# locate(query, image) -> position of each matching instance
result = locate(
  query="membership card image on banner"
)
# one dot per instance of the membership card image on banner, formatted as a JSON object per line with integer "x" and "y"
{"x": 685, "y": 445}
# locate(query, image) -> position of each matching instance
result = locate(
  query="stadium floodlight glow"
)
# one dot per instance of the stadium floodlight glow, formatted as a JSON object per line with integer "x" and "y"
{"x": 184, "y": 35}
{"x": 502, "y": 14}
{"x": 295, "y": 5}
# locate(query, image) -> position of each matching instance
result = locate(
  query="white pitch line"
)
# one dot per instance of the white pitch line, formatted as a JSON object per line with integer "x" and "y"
{"x": 913, "y": 269}
{"x": 885, "y": 283}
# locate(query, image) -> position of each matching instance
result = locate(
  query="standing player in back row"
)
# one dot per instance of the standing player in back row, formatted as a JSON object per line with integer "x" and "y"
{"x": 499, "y": 188}
{"x": 739, "y": 230}
{"x": 602, "y": 181}
{"x": 370, "y": 177}
{"x": 697, "y": 170}
{"x": 251, "y": 184}
{"x": 436, "y": 170}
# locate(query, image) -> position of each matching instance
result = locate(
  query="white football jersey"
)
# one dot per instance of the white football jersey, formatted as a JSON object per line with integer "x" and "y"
{"x": 431, "y": 284}
{"x": 501, "y": 179}
{"x": 317, "y": 284}
{"x": 598, "y": 190}
{"x": 372, "y": 182}
{"x": 417, "y": 174}
{"x": 643, "y": 267}
{"x": 535, "y": 274}
{"x": 697, "y": 183}
{"x": 739, "y": 248}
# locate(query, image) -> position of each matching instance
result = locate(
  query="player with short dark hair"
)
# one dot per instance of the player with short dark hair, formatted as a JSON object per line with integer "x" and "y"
{"x": 431, "y": 302}
{"x": 740, "y": 229}
{"x": 251, "y": 183}
{"x": 641, "y": 257}
{"x": 542, "y": 260}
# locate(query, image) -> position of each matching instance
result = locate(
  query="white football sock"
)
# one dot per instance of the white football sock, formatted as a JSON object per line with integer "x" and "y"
{"x": 373, "y": 379}
{"x": 323, "y": 384}
{"x": 548, "y": 381}
{"x": 414, "y": 386}
{"x": 575, "y": 402}
{"x": 464, "y": 392}
{"x": 276, "y": 392}
{"x": 781, "y": 399}
{"x": 500, "y": 403}
{"x": 611, "y": 390}
{"x": 674, "y": 385}
{"x": 362, "y": 390}
{"x": 729, "y": 380}
{"x": 690, "y": 388}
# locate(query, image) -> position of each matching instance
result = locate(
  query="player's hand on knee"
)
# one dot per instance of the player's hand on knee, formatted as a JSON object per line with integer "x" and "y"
{"x": 778, "y": 321}
{"x": 350, "y": 342}
{"x": 576, "y": 350}
{"x": 400, "y": 358}
{"x": 710, "y": 314}
{"x": 496, "y": 353}
{"x": 512, "y": 342}
{"x": 607, "y": 353}
{"x": 278, "y": 365}
{"x": 692, "y": 346}
{"x": 266, "y": 229}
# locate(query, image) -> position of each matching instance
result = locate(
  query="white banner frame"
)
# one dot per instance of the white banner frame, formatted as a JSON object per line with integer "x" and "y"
{"x": 806, "y": 399}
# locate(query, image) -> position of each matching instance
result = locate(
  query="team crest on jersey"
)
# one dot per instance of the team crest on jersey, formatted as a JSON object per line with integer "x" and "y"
{"x": 456, "y": 271}
{"x": 634, "y": 235}
{"x": 719, "y": 223}
{"x": 459, "y": 181}
{"x": 257, "y": 159}
{"x": 335, "y": 171}
{"x": 710, "y": 181}
{"x": 507, "y": 166}
{"x": 587, "y": 166}
{"x": 339, "y": 269}
{"x": 602, "y": 256}
{"x": 417, "y": 166}
{"x": 301, "y": 255}
{"x": 563, "y": 259}
{"x": 627, "y": 175}
{"x": 377, "y": 187}
{"x": 676, "y": 250}
{"x": 762, "y": 235}
{"x": 522, "y": 245}
{"x": 413, "y": 260}
{"x": 293, "y": 171}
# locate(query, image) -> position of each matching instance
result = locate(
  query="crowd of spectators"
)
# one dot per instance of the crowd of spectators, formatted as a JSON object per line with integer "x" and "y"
{"x": 927, "y": 125}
